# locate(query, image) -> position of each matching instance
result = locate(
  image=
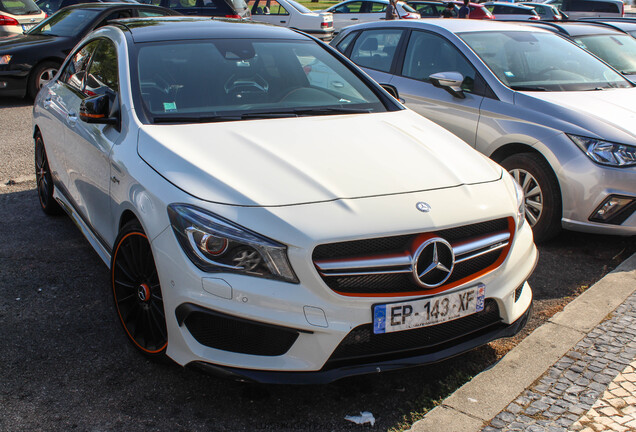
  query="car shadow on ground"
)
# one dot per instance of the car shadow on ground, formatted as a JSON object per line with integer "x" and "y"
{"x": 67, "y": 364}
{"x": 13, "y": 102}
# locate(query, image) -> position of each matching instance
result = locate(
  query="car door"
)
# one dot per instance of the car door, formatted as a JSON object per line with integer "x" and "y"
{"x": 88, "y": 146}
{"x": 346, "y": 14}
{"x": 429, "y": 53}
{"x": 375, "y": 51}
{"x": 373, "y": 11}
{"x": 270, "y": 11}
{"x": 55, "y": 115}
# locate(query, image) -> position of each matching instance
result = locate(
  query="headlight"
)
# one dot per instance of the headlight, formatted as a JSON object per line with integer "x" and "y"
{"x": 5, "y": 59}
{"x": 214, "y": 244}
{"x": 605, "y": 152}
{"x": 521, "y": 204}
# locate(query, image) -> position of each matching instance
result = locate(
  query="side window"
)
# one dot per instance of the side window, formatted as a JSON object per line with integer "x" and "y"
{"x": 275, "y": 8}
{"x": 73, "y": 74}
{"x": 103, "y": 73}
{"x": 351, "y": 7}
{"x": 344, "y": 43}
{"x": 428, "y": 53}
{"x": 377, "y": 7}
{"x": 375, "y": 49}
{"x": 540, "y": 10}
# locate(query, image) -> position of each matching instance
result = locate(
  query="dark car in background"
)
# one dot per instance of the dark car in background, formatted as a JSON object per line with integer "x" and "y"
{"x": 32, "y": 59}
{"x": 628, "y": 25}
{"x": 52, "y": 6}
{"x": 216, "y": 8}
{"x": 613, "y": 46}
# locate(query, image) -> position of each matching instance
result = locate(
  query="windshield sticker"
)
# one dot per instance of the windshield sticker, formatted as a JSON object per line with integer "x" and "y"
{"x": 506, "y": 73}
{"x": 169, "y": 106}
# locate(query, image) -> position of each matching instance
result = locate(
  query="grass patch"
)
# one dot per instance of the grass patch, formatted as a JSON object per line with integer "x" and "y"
{"x": 317, "y": 5}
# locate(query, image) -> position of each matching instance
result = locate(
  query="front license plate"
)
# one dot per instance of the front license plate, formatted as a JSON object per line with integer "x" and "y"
{"x": 393, "y": 317}
{"x": 26, "y": 27}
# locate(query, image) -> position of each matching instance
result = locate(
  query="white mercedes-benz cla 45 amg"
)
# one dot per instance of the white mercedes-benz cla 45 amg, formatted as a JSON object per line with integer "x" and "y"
{"x": 270, "y": 213}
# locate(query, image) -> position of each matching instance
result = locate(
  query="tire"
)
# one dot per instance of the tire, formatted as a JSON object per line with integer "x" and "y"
{"x": 137, "y": 292}
{"x": 542, "y": 193}
{"x": 40, "y": 75}
{"x": 44, "y": 179}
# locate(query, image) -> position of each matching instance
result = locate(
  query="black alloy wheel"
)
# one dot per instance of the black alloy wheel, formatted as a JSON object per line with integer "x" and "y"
{"x": 44, "y": 179}
{"x": 137, "y": 292}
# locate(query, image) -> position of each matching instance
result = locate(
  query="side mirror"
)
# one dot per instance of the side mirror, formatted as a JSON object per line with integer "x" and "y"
{"x": 392, "y": 91}
{"x": 449, "y": 81}
{"x": 97, "y": 109}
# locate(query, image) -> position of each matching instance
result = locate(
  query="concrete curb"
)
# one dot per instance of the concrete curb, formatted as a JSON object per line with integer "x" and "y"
{"x": 474, "y": 404}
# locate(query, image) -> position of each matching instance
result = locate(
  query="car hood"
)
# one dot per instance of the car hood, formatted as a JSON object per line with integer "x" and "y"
{"x": 279, "y": 162}
{"x": 12, "y": 44}
{"x": 608, "y": 114}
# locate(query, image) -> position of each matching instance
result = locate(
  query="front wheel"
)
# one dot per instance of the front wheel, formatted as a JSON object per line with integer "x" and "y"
{"x": 542, "y": 193}
{"x": 44, "y": 179}
{"x": 137, "y": 292}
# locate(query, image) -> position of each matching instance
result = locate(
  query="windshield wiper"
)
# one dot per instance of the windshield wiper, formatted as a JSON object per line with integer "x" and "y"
{"x": 528, "y": 88}
{"x": 259, "y": 115}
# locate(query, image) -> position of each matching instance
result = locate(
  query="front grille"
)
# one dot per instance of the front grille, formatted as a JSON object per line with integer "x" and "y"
{"x": 361, "y": 345}
{"x": 340, "y": 268}
{"x": 228, "y": 333}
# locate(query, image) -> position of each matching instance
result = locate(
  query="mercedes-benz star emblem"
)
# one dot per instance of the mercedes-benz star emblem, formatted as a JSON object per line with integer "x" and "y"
{"x": 433, "y": 262}
{"x": 423, "y": 207}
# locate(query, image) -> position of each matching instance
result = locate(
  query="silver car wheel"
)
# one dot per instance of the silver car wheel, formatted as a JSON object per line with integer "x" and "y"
{"x": 45, "y": 77}
{"x": 532, "y": 193}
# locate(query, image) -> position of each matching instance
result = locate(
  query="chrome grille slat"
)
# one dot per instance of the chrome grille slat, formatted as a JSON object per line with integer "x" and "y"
{"x": 367, "y": 266}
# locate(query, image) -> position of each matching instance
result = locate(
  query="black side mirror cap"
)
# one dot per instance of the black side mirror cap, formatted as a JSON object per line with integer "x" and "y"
{"x": 97, "y": 109}
{"x": 393, "y": 91}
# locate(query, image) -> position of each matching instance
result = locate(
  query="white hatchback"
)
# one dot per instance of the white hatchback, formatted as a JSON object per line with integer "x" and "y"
{"x": 262, "y": 225}
{"x": 289, "y": 13}
{"x": 18, "y": 16}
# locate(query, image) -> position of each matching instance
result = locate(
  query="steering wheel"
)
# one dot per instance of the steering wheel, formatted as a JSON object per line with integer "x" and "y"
{"x": 305, "y": 94}
{"x": 546, "y": 70}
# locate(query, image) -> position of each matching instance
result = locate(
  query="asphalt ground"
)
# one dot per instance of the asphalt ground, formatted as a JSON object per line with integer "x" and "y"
{"x": 65, "y": 363}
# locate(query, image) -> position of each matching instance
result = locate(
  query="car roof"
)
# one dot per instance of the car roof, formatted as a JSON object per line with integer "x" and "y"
{"x": 452, "y": 25}
{"x": 109, "y": 5}
{"x": 514, "y": 5}
{"x": 579, "y": 28}
{"x": 179, "y": 28}
{"x": 625, "y": 24}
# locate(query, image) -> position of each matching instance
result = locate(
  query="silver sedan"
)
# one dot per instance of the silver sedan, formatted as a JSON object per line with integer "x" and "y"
{"x": 560, "y": 120}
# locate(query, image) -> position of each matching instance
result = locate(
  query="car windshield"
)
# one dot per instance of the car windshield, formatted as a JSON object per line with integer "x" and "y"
{"x": 227, "y": 80}
{"x": 300, "y": 8}
{"x": 65, "y": 23}
{"x": 538, "y": 61}
{"x": 19, "y": 7}
{"x": 618, "y": 50}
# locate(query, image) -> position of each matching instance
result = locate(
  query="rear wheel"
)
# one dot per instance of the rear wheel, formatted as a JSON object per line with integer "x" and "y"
{"x": 44, "y": 179}
{"x": 137, "y": 292}
{"x": 41, "y": 75}
{"x": 542, "y": 193}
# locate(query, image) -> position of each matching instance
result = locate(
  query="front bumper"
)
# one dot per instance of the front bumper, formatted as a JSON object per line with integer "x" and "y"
{"x": 13, "y": 83}
{"x": 585, "y": 185}
{"x": 327, "y": 375}
{"x": 322, "y": 318}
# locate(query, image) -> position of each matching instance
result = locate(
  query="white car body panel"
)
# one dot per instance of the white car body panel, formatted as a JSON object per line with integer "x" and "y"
{"x": 375, "y": 197}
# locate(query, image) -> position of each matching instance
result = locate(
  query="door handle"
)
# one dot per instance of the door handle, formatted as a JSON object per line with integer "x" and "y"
{"x": 71, "y": 119}
{"x": 283, "y": 22}
{"x": 354, "y": 19}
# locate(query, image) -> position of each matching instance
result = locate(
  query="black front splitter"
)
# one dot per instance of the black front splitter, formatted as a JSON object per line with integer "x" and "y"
{"x": 330, "y": 375}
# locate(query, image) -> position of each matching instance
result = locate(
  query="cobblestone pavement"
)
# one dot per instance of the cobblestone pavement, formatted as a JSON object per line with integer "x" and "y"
{"x": 591, "y": 388}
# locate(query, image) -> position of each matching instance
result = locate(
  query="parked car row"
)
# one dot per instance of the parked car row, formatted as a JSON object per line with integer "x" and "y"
{"x": 550, "y": 112}
{"x": 242, "y": 243}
